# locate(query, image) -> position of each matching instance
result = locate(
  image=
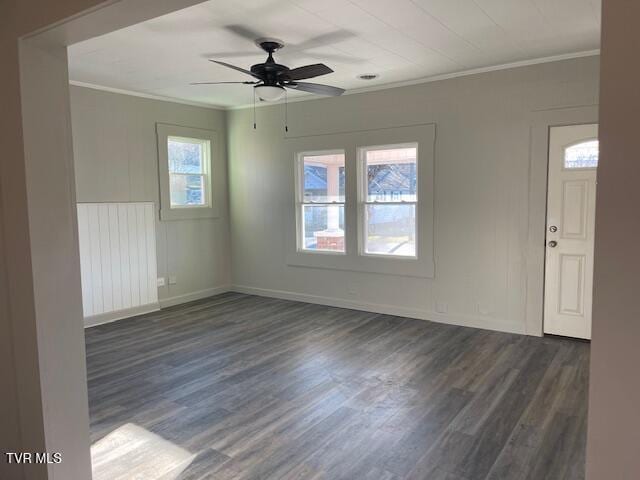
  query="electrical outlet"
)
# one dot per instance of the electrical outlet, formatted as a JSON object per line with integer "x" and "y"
{"x": 173, "y": 280}
{"x": 441, "y": 307}
{"x": 160, "y": 281}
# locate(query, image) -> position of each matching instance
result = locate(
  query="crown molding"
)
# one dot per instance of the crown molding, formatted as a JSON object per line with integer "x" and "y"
{"x": 353, "y": 91}
{"x": 438, "y": 78}
{"x": 148, "y": 96}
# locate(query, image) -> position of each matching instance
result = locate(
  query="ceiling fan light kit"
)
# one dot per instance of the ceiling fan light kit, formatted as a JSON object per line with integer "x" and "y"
{"x": 268, "y": 93}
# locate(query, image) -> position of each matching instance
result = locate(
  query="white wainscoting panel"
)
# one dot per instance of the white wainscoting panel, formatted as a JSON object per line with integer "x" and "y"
{"x": 117, "y": 257}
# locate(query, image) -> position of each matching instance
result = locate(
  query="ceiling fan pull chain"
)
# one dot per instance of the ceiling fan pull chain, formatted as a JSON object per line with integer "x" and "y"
{"x": 286, "y": 110}
{"x": 254, "y": 108}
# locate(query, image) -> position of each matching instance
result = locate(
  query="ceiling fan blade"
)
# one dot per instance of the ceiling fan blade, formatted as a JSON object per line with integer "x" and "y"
{"x": 244, "y": 32}
{"x": 316, "y": 88}
{"x": 334, "y": 57}
{"x": 325, "y": 39}
{"x": 255, "y": 53}
{"x": 228, "y": 65}
{"x": 220, "y": 83}
{"x": 308, "y": 71}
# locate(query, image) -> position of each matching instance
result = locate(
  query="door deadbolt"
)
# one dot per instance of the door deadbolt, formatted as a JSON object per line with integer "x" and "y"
{"x": 552, "y": 243}
{"x": 553, "y": 229}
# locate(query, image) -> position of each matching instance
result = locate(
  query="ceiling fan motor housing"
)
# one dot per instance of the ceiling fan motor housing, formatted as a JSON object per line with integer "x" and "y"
{"x": 270, "y": 72}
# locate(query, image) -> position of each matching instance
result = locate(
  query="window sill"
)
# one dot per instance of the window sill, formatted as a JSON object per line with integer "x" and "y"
{"x": 188, "y": 213}
{"x": 403, "y": 266}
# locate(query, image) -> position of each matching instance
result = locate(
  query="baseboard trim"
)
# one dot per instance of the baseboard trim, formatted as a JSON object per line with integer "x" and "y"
{"x": 460, "y": 320}
{"x": 190, "y": 297}
{"x": 103, "y": 318}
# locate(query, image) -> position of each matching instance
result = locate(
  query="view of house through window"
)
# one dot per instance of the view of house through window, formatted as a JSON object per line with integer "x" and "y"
{"x": 389, "y": 199}
{"x": 188, "y": 179}
{"x": 322, "y": 202}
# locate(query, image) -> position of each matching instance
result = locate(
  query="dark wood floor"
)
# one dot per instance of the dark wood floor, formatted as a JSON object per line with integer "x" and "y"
{"x": 257, "y": 388}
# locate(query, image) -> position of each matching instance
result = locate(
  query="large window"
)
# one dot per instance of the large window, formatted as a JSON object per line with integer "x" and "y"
{"x": 189, "y": 184}
{"x": 321, "y": 197}
{"x": 363, "y": 201}
{"x": 388, "y": 200}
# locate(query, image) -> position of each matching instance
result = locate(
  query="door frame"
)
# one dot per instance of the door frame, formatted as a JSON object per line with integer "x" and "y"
{"x": 47, "y": 322}
{"x": 540, "y": 123}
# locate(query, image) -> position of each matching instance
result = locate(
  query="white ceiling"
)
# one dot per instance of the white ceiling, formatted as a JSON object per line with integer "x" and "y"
{"x": 401, "y": 40}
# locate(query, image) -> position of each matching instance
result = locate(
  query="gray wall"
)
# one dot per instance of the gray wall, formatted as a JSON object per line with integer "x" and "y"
{"x": 116, "y": 160}
{"x": 482, "y": 186}
{"x": 614, "y": 403}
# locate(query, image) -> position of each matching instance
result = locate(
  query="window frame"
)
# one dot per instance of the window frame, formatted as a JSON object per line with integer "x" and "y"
{"x": 363, "y": 201}
{"x": 424, "y": 135}
{"x": 300, "y": 201}
{"x": 212, "y": 188}
{"x": 206, "y": 175}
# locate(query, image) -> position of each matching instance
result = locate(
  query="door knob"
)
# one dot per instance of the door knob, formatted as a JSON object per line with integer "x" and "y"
{"x": 552, "y": 243}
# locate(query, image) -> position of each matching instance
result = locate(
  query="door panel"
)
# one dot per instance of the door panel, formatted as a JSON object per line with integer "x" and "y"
{"x": 570, "y": 230}
{"x": 571, "y": 291}
{"x": 574, "y": 209}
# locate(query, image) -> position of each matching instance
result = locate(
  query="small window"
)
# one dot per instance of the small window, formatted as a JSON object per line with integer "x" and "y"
{"x": 582, "y": 155}
{"x": 186, "y": 158}
{"x": 388, "y": 200}
{"x": 321, "y": 202}
{"x": 188, "y": 178}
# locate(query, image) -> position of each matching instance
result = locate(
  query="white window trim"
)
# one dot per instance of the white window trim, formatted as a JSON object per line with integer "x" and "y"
{"x": 300, "y": 202}
{"x": 212, "y": 153}
{"x": 363, "y": 202}
{"x": 421, "y": 266}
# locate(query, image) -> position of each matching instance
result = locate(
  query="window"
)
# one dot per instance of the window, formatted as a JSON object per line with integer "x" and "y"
{"x": 581, "y": 155}
{"x": 388, "y": 200}
{"x": 189, "y": 188}
{"x": 321, "y": 197}
{"x": 363, "y": 201}
{"x": 188, "y": 179}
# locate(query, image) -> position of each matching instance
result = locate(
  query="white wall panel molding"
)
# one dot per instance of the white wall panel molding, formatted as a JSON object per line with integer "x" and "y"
{"x": 117, "y": 257}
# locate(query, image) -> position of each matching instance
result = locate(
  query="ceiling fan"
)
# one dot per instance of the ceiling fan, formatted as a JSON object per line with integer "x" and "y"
{"x": 271, "y": 78}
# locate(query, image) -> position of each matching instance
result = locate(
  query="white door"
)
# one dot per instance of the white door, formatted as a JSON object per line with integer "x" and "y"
{"x": 571, "y": 203}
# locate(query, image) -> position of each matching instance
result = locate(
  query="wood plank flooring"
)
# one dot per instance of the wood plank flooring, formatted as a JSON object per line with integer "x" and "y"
{"x": 243, "y": 387}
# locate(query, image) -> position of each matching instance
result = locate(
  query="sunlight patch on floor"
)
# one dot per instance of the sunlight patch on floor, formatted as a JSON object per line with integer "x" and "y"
{"x": 132, "y": 452}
